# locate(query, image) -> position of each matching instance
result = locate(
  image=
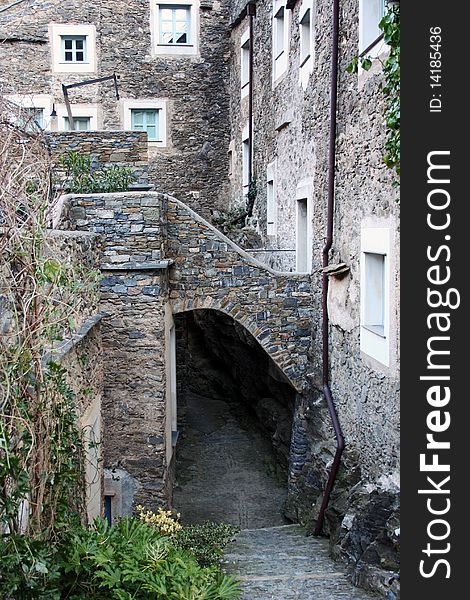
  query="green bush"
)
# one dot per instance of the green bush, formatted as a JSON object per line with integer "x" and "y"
{"x": 80, "y": 178}
{"x": 206, "y": 541}
{"x": 127, "y": 560}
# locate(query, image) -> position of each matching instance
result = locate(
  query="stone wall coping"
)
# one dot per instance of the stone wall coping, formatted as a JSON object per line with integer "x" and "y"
{"x": 71, "y": 234}
{"x": 233, "y": 246}
{"x": 59, "y": 351}
{"x": 137, "y": 266}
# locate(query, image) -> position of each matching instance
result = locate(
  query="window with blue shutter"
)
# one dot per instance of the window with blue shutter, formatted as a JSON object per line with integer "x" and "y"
{"x": 146, "y": 120}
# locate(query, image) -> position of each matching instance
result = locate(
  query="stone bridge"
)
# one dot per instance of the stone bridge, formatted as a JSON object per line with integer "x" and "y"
{"x": 160, "y": 258}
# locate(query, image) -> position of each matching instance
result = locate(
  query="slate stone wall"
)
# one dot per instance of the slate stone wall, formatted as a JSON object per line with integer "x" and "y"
{"x": 207, "y": 272}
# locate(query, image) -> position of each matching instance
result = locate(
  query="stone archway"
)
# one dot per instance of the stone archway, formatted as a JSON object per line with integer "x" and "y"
{"x": 235, "y": 422}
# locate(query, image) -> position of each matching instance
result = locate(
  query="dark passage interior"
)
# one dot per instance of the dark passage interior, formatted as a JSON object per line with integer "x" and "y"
{"x": 235, "y": 411}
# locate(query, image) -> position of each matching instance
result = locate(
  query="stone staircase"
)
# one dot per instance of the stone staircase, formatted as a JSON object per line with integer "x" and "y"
{"x": 282, "y": 563}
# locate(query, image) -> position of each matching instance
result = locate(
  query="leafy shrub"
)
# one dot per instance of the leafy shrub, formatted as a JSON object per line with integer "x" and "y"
{"x": 132, "y": 560}
{"x": 80, "y": 178}
{"x": 206, "y": 541}
{"x": 126, "y": 560}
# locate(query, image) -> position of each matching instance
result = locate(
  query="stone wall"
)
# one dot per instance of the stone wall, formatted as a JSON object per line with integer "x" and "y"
{"x": 193, "y": 166}
{"x": 105, "y": 148}
{"x": 212, "y": 272}
{"x": 144, "y": 234}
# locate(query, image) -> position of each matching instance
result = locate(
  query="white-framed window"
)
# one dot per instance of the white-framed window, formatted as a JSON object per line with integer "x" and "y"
{"x": 306, "y": 34}
{"x": 371, "y": 13}
{"x": 147, "y": 119}
{"x": 375, "y": 293}
{"x": 85, "y": 117}
{"x": 245, "y": 63}
{"x": 73, "y": 48}
{"x": 175, "y": 27}
{"x": 147, "y": 115}
{"x": 246, "y": 158}
{"x": 303, "y": 226}
{"x": 79, "y": 124}
{"x": 281, "y": 25}
{"x": 35, "y": 108}
{"x": 271, "y": 200}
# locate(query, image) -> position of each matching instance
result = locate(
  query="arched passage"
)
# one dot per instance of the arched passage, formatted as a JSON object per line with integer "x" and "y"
{"x": 235, "y": 414}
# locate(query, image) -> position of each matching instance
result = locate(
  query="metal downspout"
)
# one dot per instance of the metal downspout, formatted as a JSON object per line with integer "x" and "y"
{"x": 325, "y": 259}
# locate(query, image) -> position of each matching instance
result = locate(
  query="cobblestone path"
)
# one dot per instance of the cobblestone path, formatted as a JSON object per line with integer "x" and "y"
{"x": 282, "y": 563}
{"x": 226, "y": 472}
{"x": 225, "y": 469}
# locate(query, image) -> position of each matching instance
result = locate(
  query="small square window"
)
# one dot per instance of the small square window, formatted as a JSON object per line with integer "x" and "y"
{"x": 175, "y": 24}
{"x": 146, "y": 120}
{"x": 74, "y": 48}
{"x": 79, "y": 124}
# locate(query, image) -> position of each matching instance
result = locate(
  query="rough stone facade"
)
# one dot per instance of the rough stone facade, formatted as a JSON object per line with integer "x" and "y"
{"x": 291, "y": 132}
{"x": 194, "y": 87}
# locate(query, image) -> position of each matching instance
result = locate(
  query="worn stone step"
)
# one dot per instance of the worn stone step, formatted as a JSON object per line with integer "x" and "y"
{"x": 283, "y": 563}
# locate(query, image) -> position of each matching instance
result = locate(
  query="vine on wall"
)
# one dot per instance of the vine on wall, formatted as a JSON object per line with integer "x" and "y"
{"x": 42, "y": 486}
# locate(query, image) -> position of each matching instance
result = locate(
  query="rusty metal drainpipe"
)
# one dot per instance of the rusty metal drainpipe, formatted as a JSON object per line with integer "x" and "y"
{"x": 325, "y": 259}
{"x": 251, "y": 12}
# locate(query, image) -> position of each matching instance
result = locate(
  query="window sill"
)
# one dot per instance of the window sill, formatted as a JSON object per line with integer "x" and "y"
{"x": 70, "y": 62}
{"x": 175, "y": 45}
{"x": 376, "y": 329}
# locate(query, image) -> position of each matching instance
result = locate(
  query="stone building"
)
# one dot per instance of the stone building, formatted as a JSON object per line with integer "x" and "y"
{"x": 235, "y": 99}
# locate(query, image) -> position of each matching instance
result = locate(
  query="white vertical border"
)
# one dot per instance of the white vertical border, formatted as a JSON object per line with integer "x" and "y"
{"x": 271, "y": 177}
{"x": 306, "y": 68}
{"x": 304, "y": 191}
{"x": 244, "y": 87}
{"x": 376, "y": 240}
{"x": 281, "y": 63}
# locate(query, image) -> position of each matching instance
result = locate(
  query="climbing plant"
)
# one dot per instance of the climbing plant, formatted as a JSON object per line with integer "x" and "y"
{"x": 390, "y": 25}
{"x": 41, "y": 450}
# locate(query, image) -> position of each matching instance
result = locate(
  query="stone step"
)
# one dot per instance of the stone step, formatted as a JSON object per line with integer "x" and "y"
{"x": 280, "y": 563}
